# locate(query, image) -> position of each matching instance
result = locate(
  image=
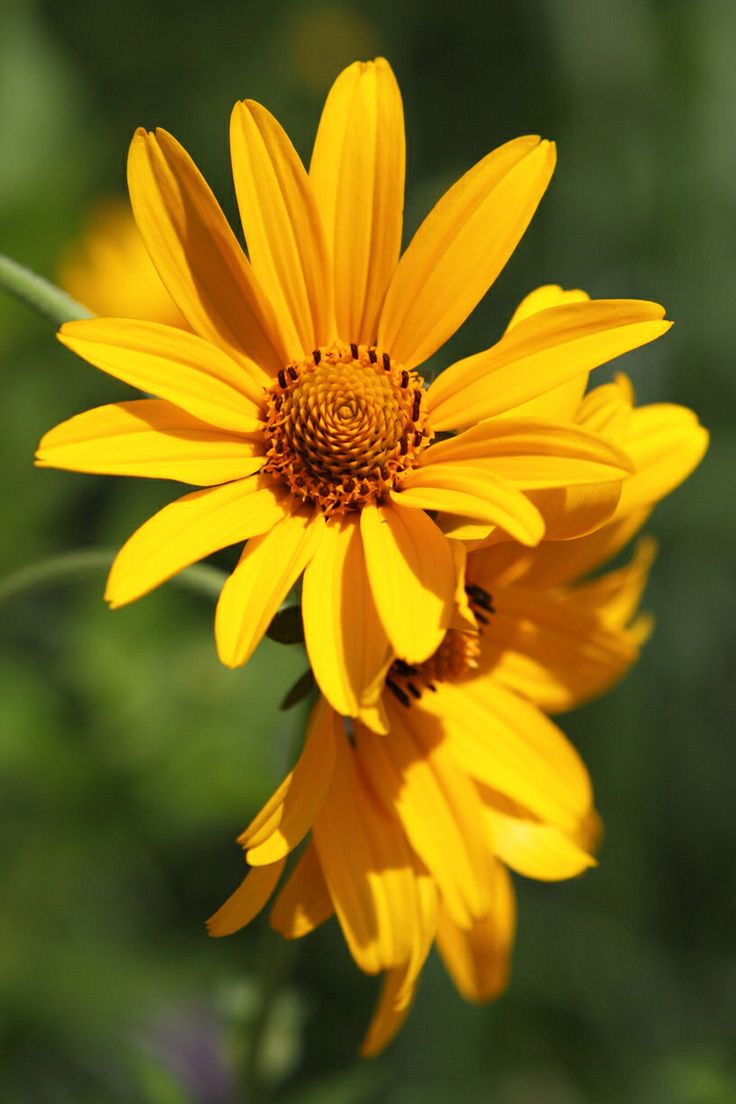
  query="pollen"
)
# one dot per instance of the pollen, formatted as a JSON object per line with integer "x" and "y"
{"x": 456, "y": 657}
{"x": 343, "y": 425}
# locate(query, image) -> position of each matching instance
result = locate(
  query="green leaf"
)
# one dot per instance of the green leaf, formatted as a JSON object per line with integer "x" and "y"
{"x": 300, "y": 690}
{"x": 286, "y": 627}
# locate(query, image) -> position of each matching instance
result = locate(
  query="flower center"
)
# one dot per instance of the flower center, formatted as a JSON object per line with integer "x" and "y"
{"x": 342, "y": 426}
{"x": 456, "y": 657}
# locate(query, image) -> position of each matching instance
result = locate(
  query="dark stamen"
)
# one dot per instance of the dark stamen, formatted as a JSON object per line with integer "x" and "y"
{"x": 405, "y": 378}
{"x": 482, "y": 618}
{"x": 416, "y": 406}
{"x": 317, "y": 356}
{"x": 404, "y": 668}
{"x": 386, "y": 362}
{"x": 398, "y": 693}
{"x": 418, "y": 438}
{"x": 292, "y": 372}
{"x": 354, "y": 350}
{"x": 414, "y": 690}
{"x": 404, "y": 446}
{"x": 372, "y": 356}
{"x": 282, "y": 378}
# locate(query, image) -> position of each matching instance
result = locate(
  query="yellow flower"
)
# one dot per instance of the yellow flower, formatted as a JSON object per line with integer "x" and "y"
{"x": 412, "y": 832}
{"x": 295, "y": 403}
{"x": 109, "y": 270}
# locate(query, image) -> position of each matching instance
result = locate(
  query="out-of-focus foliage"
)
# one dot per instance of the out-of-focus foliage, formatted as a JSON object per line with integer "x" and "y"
{"x": 129, "y": 759}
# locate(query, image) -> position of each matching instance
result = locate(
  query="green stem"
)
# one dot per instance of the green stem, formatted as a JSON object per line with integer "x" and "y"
{"x": 39, "y": 294}
{"x": 202, "y": 578}
{"x": 276, "y": 957}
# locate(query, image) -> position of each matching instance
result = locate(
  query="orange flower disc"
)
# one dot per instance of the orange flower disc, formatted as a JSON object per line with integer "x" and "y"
{"x": 343, "y": 425}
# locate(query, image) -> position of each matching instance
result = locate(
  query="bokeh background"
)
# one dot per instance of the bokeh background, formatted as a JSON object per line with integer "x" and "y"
{"x": 129, "y": 759}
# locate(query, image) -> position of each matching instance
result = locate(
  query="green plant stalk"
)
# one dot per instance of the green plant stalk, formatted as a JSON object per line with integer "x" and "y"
{"x": 40, "y": 294}
{"x": 68, "y": 566}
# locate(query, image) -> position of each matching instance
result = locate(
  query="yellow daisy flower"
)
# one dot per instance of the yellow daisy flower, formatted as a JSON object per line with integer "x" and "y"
{"x": 412, "y": 834}
{"x": 109, "y": 270}
{"x": 295, "y": 404}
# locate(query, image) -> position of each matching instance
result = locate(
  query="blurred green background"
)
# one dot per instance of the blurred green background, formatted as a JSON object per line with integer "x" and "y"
{"x": 129, "y": 759}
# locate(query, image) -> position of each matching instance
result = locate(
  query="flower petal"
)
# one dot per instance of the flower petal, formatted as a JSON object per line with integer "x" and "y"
{"x": 189, "y": 529}
{"x": 461, "y": 247}
{"x": 347, "y": 645}
{"x": 666, "y": 443}
{"x": 412, "y": 577}
{"x": 550, "y": 651}
{"x": 287, "y": 816}
{"x": 196, "y": 253}
{"x": 537, "y": 356}
{"x": 368, "y": 867}
{"x": 473, "y": 492}
{"x": 533, "y": 453}
{"x": 247, "y": 900}
{"x": 304, "y": 901}
{"x": 534, "y": 849}
{"x": 357, "y": 173}
{"x": 149, "y": 438}
{"x": 554, "y": 562}
{"x": 477, "y": 958}
{"x": 268, "y": 568}
{"x": 507, "y": 743}
{"x": 282, "y": 227}
{"x": 412, "y": 772}
{"x": 614, "y": 597}
{"x": 172, "y": 364}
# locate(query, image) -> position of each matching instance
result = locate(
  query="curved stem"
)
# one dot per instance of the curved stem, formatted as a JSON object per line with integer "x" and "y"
{"x": 201, "y": 578}
{"x": 38, "y": 293}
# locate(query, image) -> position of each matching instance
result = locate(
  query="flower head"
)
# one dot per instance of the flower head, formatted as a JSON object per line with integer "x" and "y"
{"x": 295, "y": 405}
{"x": 413, "y": 832}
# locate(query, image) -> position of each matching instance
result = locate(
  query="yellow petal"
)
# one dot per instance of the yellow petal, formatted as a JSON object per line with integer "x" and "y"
{"x": 555, "y": 562}
{"x": 461, "y": 247}
{"x": 473, "y": 492}
{"x": 357, "y": 173}
{"x": 287, "y": 816}
{"x": 368, "y": 867}
{"x": 539, "y": 355}
{"x": 507, "y": 743}
{"x": 534, "y": 453}
{"x": 172, "y": 364}
{"x": 149, "y": 438}
{"x": 477, "y": 958}
{"x": 411, "y": 771}
{"x": 534, "y": 849}
{"x": 390, "y": 1013}
{"x": 268, "y": 569}
{"x": 189, "y": 529}
{"x": 563, "y": 402}
{"x": 553, "y": 652}
{"x": 399, "y": 984}
{"x": 666, "y": 443}
{"x": 196, "y": 253}
{"x": 542, "y": 298}
{"x": 247, "y": 900}
{"x": 607, "y": 410}
{"x": 572, "y": 512}
{"x": 304, "y": 902}
{"x": 282, "y": 227}
{"x": 412, "y": 577}
{"x": 615, "y": 596}
{"x": 347, "y": 645}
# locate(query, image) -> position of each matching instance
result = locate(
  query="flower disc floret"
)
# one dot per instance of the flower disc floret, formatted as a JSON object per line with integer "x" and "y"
{"x": 342, "y": 426}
